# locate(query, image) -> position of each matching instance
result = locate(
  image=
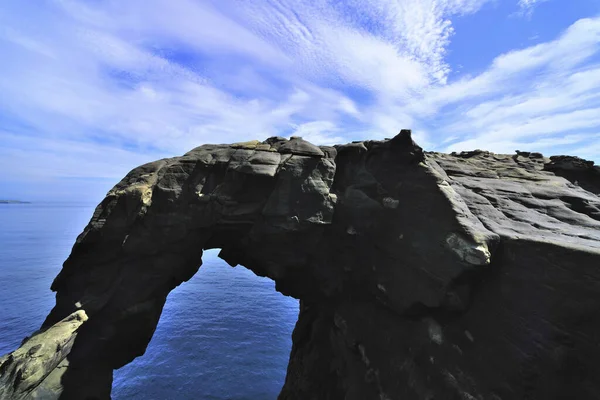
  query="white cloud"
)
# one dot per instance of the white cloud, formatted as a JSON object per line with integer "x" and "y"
{"x": 159, "y": 77}
{"x": 530, "y": 97}
{"x": 522, "y": 69}
{"x": 50, "y": 157}
{"x": 158, "y": 23}
{"x": 589, "y": 151}
{"x": 526, "y": 7}
{"x": 508, "y": 145}
{"x": 158, "y": 103}
{"x": 318, "y": 132}
{"x": 420, "y": 29}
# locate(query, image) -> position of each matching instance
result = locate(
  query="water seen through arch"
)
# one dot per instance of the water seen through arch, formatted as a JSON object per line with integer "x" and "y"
{"x": 223, "y": 335}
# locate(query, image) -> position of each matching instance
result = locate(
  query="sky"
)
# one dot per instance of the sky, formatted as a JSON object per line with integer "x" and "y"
{"x": 91, "y": 89}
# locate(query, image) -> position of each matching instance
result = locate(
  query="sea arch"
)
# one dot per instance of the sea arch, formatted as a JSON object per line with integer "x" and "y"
{"x": 384, "y": 245}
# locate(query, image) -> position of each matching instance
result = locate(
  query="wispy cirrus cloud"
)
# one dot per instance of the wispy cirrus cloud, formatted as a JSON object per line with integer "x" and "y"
{"x": 534, "y": 96}
{"x": 526, "y": 7}
{"x": 113, "y": 84}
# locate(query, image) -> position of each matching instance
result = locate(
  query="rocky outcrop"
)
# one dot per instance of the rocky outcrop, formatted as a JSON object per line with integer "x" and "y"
{"x": 35, "y": 369}
{"x": 420, "y": 275}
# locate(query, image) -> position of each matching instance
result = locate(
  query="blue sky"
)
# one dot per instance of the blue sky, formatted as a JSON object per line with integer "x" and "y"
{"x": 90, "y": 89}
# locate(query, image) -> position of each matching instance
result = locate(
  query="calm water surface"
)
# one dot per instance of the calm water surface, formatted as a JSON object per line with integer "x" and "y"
{"x": 225, "y": 334}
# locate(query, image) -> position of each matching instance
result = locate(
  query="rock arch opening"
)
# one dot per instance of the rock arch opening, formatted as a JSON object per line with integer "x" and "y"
{"x": 225, "y": 333}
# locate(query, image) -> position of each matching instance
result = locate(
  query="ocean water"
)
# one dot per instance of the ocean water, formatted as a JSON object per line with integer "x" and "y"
{"x": 223, "y": 335}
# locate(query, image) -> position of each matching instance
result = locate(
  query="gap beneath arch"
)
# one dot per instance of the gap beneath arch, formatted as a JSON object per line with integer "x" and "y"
{"x": 224, "y": 334}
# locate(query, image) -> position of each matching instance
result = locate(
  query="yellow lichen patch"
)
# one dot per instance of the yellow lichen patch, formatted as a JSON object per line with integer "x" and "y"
{"x": 146, "y": 195}
{"x": 39, "y": 355}
{"x": 469, "y": 252}
{"x": 250, "y": 145}
{"x": 143, "y": 191}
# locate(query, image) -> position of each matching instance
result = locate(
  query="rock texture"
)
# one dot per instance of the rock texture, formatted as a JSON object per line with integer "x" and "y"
{"x": 420, "y": 275}
{"x": 35, "y": 369}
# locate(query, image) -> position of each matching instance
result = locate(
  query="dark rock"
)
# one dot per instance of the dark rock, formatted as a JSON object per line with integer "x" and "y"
{"x": 299, "y": 146}
{"x": 330, "y": 151}
{"x": 568, "y": 163}
{"x": 529, "y": 154}
{"x": 420, "y": 275}
{"x": 577, "y": 170}
{"x": 275, "y": 142}
{"x": 472, "y": 153}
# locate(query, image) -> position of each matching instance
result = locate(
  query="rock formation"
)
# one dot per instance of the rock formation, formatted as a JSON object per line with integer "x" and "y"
{"x": 420, "y": 275}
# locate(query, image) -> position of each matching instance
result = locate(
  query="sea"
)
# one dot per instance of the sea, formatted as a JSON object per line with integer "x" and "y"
{"x": 223, "y": 335}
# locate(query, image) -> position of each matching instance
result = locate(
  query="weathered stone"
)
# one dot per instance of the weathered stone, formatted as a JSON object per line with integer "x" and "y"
{"x": 256, "y": 163}
{"x": 275, "y": 142}
{"x": 25, "y": 371}
{"x": 578, "y": 171}
{"x": 299, "y": 146}
{"x": 420, "y": 275}
{"x": 250, "y": 145}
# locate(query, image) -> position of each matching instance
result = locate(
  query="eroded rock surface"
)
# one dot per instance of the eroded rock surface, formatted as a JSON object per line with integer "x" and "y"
{"x": 35, "y": 369}
{"x": 420, "y": 275}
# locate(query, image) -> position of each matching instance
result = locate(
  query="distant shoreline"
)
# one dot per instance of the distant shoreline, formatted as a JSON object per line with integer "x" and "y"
{"x": 14, "y": 202}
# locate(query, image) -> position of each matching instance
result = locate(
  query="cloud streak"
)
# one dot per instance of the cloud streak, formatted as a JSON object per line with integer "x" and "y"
{"x": 106, "y": 85}
{"x": 526, "y": 7}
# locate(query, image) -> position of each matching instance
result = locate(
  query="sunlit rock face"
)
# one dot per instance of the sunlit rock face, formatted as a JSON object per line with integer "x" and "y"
{"x": 420, "y": 275}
